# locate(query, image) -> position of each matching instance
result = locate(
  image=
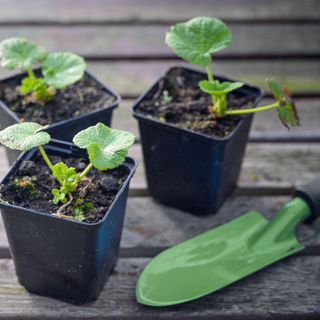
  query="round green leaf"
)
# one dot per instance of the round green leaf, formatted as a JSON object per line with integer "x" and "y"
{"x": 219, "y": 88}
{"x": 196, "y": 39}
{"x": 63, "y": 69}
{"x": 24, "y": 136}
{"x": 107, "y": 148}
{"x": 20, "y": 52}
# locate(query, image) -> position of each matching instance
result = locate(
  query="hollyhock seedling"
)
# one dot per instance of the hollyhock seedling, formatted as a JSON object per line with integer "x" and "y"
{"x": 59, "y": 70}
{"x": 106, "y": 147}
{"x": 195, "y": 41}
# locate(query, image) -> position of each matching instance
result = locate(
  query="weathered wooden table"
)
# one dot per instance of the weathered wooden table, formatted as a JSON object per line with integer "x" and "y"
{"x": 123, "y": 44}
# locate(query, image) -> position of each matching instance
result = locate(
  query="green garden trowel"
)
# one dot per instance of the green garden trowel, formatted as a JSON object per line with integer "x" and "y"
{"x": 228, "y": 253}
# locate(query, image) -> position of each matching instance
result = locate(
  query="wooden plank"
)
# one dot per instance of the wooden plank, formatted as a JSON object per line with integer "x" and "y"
{"x": 101, "y": 11}
{"x": 148, "y": 41}
{"x": 266, "y": 126}
{"x": 149, "y": 224}
{"x": 286, "y": 290}
{"x": 131, "y": 78}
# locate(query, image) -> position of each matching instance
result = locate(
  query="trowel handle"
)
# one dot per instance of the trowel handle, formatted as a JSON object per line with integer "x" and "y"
{"x": 310, "y": 193}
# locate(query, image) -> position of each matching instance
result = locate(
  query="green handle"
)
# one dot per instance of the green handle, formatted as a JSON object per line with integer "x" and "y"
{"x": 305, "y": 206}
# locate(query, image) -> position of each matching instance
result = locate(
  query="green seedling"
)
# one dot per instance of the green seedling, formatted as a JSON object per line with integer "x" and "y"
{"x": 107, "y": 149}
{"x": 59, "y": 70}
{"x": 82, "y": 209}
{"x": 195, "y": 41}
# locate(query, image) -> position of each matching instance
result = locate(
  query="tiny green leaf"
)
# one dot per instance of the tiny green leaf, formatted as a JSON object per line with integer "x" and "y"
{"x": 21, "y": 53}
{"x": 30, "y": 84}
{"x": 59, "y": 196}
{"x": 81, "y": 211}
{"x": 24, "y": 136}
{"x": 287, "y": 111}
{"x": 196, "y": 39}
{"x": 218, "y": 88}
{"x": 62, "y": 69}
{"x": 61, "y": 170}
{"x": 107, "y": 148}
{"x": 67, "y": 176}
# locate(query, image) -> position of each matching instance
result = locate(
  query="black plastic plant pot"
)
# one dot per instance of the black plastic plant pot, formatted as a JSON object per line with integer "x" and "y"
{"x": 65, "y": 259}
{"x": 62, "y": 130}
{"x": 188, "y": 170}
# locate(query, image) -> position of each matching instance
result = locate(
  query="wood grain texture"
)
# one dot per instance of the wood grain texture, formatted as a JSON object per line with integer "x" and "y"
{"x": 100, "y": 11}
{"x": 129, "y": 41}
{"x": 123, "y": 41}
{"x": 131, "y": 78}
{"x": 268, "y": 294}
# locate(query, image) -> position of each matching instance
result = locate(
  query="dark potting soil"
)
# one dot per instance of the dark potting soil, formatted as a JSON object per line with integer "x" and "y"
{"x": 80, "y": 98}
{"x": 31, "y": 188}
{"x": 179, "y": 101}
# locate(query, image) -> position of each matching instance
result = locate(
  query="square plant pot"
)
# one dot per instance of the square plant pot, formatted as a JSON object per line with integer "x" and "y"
{"x": 187, "y": 170}
{"x": 65, "y": 259}
{"x": 62, "y": 130}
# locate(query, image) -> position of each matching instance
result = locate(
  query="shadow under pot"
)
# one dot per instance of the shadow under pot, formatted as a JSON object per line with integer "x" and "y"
{"x": 192, "y": 160}
{"x": 66, "y": 259}
{"x": 82, "y": 104}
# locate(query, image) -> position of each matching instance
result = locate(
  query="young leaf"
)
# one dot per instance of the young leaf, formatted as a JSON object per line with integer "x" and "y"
{"x": 67, "y": 175}
{"x": 219, "y": 88}
{"x": 62, "y": 69}
{"x": 59, "y": 196}
{"x": 196, "y": 39}
{"x": 24, "y": 136}
{"x": 287, "y": 111}
{"x": 107, "y": 148}
{"x": 30, "y": 84}
{"x": 20, "y": 52}
{"x": 81, "y": 211}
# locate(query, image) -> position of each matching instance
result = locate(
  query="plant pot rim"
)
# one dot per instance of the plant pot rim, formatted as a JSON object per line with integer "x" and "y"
{"x": 201, "y": 136}
{"x": 104, "y": 88}
{"x": 54, "y": 144}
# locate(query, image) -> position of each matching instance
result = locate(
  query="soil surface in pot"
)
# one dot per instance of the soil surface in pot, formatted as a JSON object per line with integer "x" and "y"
{"x": 179, "y": 101}
{"x": 80, "y": 98}
{"x": 31, "y": 185}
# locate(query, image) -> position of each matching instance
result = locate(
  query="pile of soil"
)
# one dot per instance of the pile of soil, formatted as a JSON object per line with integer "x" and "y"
{"x": 80, "y": 98}
{"x": 180, "y": 102}
{"x": 100, "y": 187}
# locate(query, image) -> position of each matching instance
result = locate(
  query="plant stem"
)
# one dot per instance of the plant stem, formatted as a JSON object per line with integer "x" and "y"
{"x": 211, "y": 78}
{"x": 47, "y": 161}
{"x": 210, "y": 74}
{"x": 252, "y": 110}
{"x": 46, "y": 158}
{"x": 84, "y": 172}
{"x": 31, "y": 73}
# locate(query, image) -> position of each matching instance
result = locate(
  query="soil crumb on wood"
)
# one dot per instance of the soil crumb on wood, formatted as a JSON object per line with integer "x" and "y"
{"x": 179, "y": 101}
{"x": 80, "y": 98}
{"x": 31, "y": 187}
